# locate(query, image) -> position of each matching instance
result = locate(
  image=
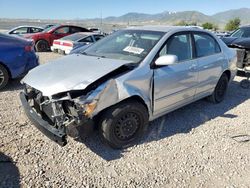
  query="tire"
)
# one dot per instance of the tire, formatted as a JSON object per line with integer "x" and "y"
{"x": 42, "y": 46}
{"x": 121, "y": 125}
{"x": 220, "y": 90}
{"x": 245, "y": 84}
{"x": 4, "y": 77}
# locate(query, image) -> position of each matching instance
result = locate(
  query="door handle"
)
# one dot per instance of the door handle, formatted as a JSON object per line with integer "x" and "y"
{"x": 193, "y": 67}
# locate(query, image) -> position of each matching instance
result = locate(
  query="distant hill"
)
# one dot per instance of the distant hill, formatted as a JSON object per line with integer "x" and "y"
{"x": 165, "y": 17}
{"x": 134, "y": 18}
{"x": 174, "y": 17}
{"x": 243, "y": 14}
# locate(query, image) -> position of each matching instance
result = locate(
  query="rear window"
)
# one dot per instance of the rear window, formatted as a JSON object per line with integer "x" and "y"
{"x": 74, "y": 37}
{"x": 87, "y": 39}
{"x": 206, "y": 45}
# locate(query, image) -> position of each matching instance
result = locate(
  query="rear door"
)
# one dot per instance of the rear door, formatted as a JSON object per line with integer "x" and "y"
{"x": 210, "y": 62}
{"x": 175, "y": 85}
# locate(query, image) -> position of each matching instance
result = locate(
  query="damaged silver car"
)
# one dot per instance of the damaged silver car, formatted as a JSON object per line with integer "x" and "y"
{"x": 124, "y": 81}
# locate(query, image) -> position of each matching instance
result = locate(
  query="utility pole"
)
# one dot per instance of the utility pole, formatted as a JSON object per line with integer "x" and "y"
{"x": 101, "y": 19}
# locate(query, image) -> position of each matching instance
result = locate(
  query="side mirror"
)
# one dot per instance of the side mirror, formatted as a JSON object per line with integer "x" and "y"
{"x": 166, "y": 60}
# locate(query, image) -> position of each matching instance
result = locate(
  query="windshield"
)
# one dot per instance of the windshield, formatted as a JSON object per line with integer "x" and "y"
{"x": 132, "y": 45}
{"x": 50, "y": 28}
{"x": 241, "y": 33}
{"x": 74, "y": 37}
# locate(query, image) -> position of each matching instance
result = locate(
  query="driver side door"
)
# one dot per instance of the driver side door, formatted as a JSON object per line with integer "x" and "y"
{"x": 175, "y": 85}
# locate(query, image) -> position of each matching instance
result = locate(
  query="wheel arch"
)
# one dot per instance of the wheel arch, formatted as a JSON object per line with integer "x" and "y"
{"x": 7, "y": 68}
{"x": 136, "y": 98}
{"x": 41, "y": 39}
{"x": 228, "y": 73}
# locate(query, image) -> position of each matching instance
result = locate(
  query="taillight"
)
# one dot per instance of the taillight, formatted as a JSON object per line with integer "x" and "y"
{"x": 28, "y": 48}
{"x": 67, "y": 44}
{"x": 56, "y": 42}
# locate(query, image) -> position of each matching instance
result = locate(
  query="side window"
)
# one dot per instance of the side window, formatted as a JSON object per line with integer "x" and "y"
{"x": 205, "y": 45}
{"x": 246, "y": 33}
{"x": 98, "y": 37}
{"x": 62, "y": 30}
{"x": 75, "y": 29}
{"x": 21, "y": 30}
{"x": 179, "y": 45}
{"x": 87, "y": 39}
{"x": 35, "y": 30}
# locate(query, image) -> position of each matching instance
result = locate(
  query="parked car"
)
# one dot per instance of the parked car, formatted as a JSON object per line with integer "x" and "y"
{"x": 240, "y": 40}
{"x": 76, "y": 40}
{"x": 239, "y": 35}
{"x": 45, "y": 39}
{"x": 95, "y": 30}
{"x": 17, "y": 57}
{"x": 221, "y": 34}
{"x": 21, "y": 30}
{"x": 125, "y": 80}
{"x": 48, "y": 26}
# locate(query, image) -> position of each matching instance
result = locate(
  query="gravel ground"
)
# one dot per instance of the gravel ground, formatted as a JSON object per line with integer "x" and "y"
{"x": 190, "y": 147}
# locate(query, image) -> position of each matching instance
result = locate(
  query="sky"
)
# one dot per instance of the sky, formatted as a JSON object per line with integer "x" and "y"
{"x": 80, "y": 9}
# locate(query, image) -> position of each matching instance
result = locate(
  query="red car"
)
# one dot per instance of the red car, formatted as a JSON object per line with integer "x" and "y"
{"x": 44, "y": 40}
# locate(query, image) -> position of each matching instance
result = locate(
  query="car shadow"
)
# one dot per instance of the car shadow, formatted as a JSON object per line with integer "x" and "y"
{"x": 179, "y": 121}
{"x": 13, "y": 85}
{"x": 9, "y": 173}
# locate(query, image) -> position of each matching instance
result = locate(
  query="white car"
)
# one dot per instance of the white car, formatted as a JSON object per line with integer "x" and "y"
{"x": 68, "y": 43}
{"x": 21, "y": 30}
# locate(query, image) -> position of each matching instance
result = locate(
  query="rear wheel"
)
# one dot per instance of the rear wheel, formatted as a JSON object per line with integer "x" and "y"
{"x": 220, "y": 90}
{"x": 123, "y": 124}
{"x": 42, "y": 46}
{"x": 4, "y": 77}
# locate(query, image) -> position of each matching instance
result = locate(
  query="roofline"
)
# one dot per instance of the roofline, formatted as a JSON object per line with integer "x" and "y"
{"x": 166, "y": 28}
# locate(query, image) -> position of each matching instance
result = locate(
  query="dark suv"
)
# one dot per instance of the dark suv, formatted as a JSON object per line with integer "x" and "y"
{"x": 240, "y": 39}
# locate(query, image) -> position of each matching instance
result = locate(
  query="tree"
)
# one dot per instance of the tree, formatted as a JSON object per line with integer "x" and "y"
{"x": 208, "y": 25}
{"x": 233, "y": 24}
{"x": 182, "y": 23}
{"x": 216, "y": 27}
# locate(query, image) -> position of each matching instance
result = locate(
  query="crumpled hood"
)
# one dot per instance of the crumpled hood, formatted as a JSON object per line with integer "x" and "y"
{"x": 73, "y": 72}
{"x": 237, "y": 42}
{"x": 229, "y": 40}
{"x": 242, "y": 43}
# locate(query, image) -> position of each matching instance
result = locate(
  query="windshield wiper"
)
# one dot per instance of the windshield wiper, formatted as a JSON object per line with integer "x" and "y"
{"x": 85, "y": 53}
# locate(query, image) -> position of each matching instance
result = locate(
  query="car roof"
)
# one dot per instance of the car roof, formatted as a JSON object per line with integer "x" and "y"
{"x": 27, "y": 26}
{"x": 245, "y": 26}
{"x": 84, "y": 35}
{"x": 14, "y": 38}
{"x": 89, "y": 33}
{"x": 166, "y": 29}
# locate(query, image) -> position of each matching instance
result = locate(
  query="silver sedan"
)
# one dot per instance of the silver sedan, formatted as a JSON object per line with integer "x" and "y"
{"x": 125, "y": 80}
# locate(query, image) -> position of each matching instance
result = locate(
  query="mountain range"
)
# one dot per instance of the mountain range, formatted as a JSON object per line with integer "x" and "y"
{"x": 167, "y": 17}
{"x": 135, "y": 18}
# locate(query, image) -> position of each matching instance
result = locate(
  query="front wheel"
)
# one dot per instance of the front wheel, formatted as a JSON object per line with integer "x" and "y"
{"x": 220, "y": 90}
{"x": 123, "y": 124}
{"x": 4, "y": 77}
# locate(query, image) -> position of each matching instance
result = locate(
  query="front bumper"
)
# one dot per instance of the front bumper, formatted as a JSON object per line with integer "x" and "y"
{"x": 54, "y": 134}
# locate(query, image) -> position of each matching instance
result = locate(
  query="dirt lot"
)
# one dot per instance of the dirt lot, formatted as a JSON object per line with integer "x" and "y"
{"x": 190, "y": 147}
